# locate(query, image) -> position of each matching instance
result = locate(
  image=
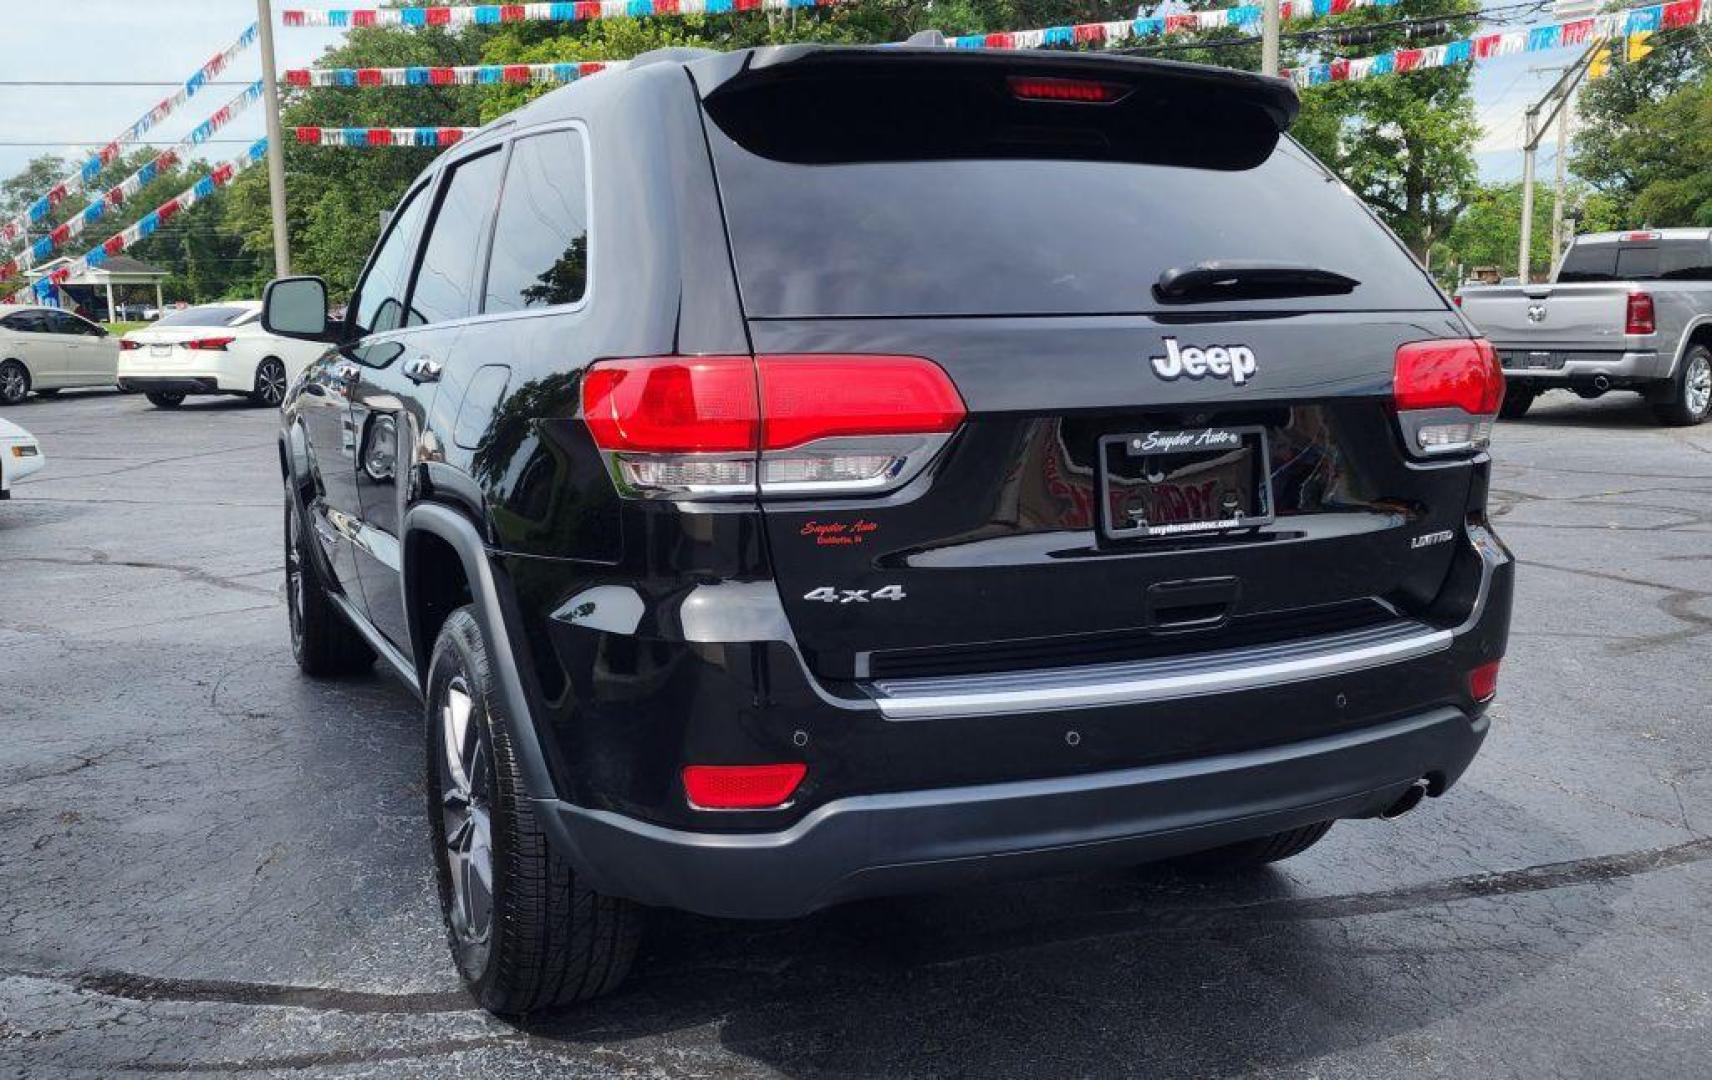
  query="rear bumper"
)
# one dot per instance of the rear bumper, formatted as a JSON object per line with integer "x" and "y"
{"x": 170, "y": 384}
{"x": 1578, "y": 366}
{"x": 911, "y": 841}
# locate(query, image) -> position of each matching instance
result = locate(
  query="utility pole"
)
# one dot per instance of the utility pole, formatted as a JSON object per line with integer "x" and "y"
{"x": 1534, "y": 126}
{"x": 276, "y": 141}
{"x": 1558, "y": 239}
{"x": 1269, "y": 37}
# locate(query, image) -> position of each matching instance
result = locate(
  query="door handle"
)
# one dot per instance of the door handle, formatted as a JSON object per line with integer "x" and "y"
{"x": 421, "y": 369}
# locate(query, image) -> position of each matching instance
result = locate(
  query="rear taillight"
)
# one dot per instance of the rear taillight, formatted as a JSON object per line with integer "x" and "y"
{"x": 129, "y": 346}
{"x": 209, "y": 344}
{"x": 742, "y": 787}
{"x": 1078, "y": 91}
{"x": 1483, "y": 682}
{"x": 1447, "y": 394}
{"x": 784, "y": 424}
{"x": 1639, "y": 318}
{"x": 1456, "y": 299}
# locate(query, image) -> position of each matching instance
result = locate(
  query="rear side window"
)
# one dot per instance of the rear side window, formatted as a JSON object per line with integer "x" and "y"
{"x": 445, "y": 282}
{"x": 27, "y": 322}
{"x": 540, "y": 243}
{"x": 1666, "y": 260}
{"x": 839, "y": 204}
{"x": 206, "y": 315}
{"x": 379, "y": 303}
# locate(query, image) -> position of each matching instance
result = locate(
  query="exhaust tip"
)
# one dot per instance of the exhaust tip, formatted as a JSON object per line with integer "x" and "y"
{"x": 1406, "y": 802}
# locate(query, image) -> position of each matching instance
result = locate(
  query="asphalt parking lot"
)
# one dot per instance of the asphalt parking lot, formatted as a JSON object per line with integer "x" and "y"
{"x": 210, "y": 865}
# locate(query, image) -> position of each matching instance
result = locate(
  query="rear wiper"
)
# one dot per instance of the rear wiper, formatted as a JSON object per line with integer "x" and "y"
{"x": 1247, "y": 279}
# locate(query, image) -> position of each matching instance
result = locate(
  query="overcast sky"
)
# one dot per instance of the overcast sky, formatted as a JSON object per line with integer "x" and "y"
{"x": 165, "y": 40}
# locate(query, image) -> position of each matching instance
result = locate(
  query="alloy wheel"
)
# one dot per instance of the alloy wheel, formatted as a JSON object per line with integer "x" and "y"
{"x": 294, "y": 583}
{"x": 270, "y": 382}
{"x": 14, "y": 384}
{"x": 466, "y": 775}
{"x": 1697, "y": 385}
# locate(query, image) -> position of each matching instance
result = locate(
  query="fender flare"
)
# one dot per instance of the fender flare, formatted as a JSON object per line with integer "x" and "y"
{"x": 490, "y": 604}
{"x": 1686, "y": 341}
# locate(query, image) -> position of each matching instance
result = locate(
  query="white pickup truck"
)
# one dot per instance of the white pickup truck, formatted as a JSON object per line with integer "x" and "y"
{"x": 1625, "y": 311}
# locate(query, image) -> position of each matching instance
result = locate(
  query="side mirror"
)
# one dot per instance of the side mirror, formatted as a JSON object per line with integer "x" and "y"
{"x": 296, "y": 307}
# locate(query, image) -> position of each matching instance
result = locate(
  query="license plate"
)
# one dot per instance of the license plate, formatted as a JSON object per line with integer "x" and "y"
{"x": 160, "y": 350}
{"x": 1532, "y": 361}
{"x": 1184, "y": 482}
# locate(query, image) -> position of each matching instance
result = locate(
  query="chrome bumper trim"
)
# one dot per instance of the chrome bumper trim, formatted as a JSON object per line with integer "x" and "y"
{"x": 1137, "y": 681}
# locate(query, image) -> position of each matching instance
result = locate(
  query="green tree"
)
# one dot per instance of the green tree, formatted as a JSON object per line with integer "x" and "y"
{"x": 1404, "y": 143}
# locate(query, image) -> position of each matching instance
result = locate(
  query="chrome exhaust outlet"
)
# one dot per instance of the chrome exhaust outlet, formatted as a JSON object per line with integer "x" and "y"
{"x": 1406, "y": 801}
{"x": 1601, "y": 383}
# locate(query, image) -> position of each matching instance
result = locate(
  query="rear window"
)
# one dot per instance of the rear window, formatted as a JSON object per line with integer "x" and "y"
{"x": 1666, "y": 260}
{"x": 842, "y": 203}
{"x": 206, "y": 315}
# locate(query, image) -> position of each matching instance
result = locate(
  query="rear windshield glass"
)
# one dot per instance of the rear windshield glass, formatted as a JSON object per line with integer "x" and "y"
{"x": 206, "y": 315}
{"x": 1059, "y": 216}
{"x": 1667, "y": 260}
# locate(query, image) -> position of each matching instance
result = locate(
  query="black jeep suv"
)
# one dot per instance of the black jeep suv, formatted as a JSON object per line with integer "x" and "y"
{"x": 808, "y": 473}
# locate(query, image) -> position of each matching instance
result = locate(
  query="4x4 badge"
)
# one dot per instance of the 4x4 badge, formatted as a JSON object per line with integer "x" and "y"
{"x": 1233, "y": 362}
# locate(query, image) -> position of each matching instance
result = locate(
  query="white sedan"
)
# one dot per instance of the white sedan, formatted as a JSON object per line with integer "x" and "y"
{"x": 48, "y": 350}
{"x": 20, "y": 455}
{"x": 212, "y": 349}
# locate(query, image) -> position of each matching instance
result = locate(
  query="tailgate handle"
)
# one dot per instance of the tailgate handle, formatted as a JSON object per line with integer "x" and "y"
{"x": 1192, "y": 604}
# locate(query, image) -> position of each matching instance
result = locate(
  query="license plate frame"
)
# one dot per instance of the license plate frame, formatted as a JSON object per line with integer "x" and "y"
{"x": 1212, "y": 448}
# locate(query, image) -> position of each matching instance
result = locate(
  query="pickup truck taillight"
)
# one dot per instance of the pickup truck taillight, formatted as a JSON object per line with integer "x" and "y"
{"x": 1447, "y": 394}
{"x": 790, "y": 425}
{"x": 1639, "y": 318}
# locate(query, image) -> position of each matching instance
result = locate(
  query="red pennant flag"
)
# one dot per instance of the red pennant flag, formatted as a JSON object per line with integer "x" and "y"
{"x": 168, "y": 210}
{"x": 439, "y": 16}
{"x": 1089, "y": 33}
{"x": 588, "y": 9}
{"x": 1681, "y": 13}
{"x": 997, "y": 41}
{"x": 380, "y": 136}
{"x": 447, "y": 136}
{"x": 1177, "y": 24}
{"x": 666, "y": 7}
{"x": 511, "y": 13}
{"x": 362, "y": 17}
{"x": 224, "y": 174}
{"x": 291, "y": 18}
{"x": 368, "y": 77}
{"x": 516, "y": 73}
{"x": 1340, "y": 70}
{"x": 114, "y": 245}
{"x": 1577, "y": 32}
{"x": 309, "y": 135}
{"x": 442, "y": 76}
{"x": 297, "y": 77}
{"x": 1408, "y": 59}
{"x": 60, "y": 235}
{"x": 1487, "y": 46}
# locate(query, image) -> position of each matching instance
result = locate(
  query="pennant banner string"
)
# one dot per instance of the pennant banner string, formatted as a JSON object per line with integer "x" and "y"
{"x": 71, "y": 185}
{"x": 115, "y": 196}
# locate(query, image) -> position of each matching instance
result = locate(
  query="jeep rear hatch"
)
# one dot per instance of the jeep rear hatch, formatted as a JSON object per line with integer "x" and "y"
{"x": 1173, "y": 334}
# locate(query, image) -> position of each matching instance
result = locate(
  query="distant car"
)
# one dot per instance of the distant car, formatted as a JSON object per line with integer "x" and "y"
{"x": 48, "y": 350}
{"x": 1625, "y": 311}
{"x": 20, "y": 455}
{"x": 211, "y": 349}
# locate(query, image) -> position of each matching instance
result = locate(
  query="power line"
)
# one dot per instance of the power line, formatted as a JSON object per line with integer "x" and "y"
{"x": 112, "y": 82}
{"x": 103, "y": 142}
{"x": 1439, "y": 23}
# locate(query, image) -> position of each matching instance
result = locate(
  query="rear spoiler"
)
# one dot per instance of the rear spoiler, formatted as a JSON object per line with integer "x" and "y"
{"x": 727, "y": 72}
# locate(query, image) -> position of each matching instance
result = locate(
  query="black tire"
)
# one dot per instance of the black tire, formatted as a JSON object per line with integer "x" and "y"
{"x": 1248, "y": 854}
{"x": 538, "y": 938}
{"x": 270, "y": 383}
{"x": 322, "y": 641}
{"x": 1517, "y": 401}
{"x": 14, "y": 382}
{"x": 1688, "y": 399}
{"x": 164, "y": 400}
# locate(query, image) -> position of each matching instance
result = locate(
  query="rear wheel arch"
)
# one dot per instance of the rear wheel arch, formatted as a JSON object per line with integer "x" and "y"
{"x": 429, "y": 532}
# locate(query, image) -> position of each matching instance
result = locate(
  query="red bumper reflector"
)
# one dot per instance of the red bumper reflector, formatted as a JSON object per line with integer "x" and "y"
{"x": 1483, "y": 682}
{"x": 742, "y": 787}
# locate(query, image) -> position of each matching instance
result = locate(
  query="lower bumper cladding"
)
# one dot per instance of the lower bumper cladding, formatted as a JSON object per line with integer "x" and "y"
{"x": 912, "y": 841}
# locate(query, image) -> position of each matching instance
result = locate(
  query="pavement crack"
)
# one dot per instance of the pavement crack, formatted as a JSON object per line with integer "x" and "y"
{"x": 190, "y": 573}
